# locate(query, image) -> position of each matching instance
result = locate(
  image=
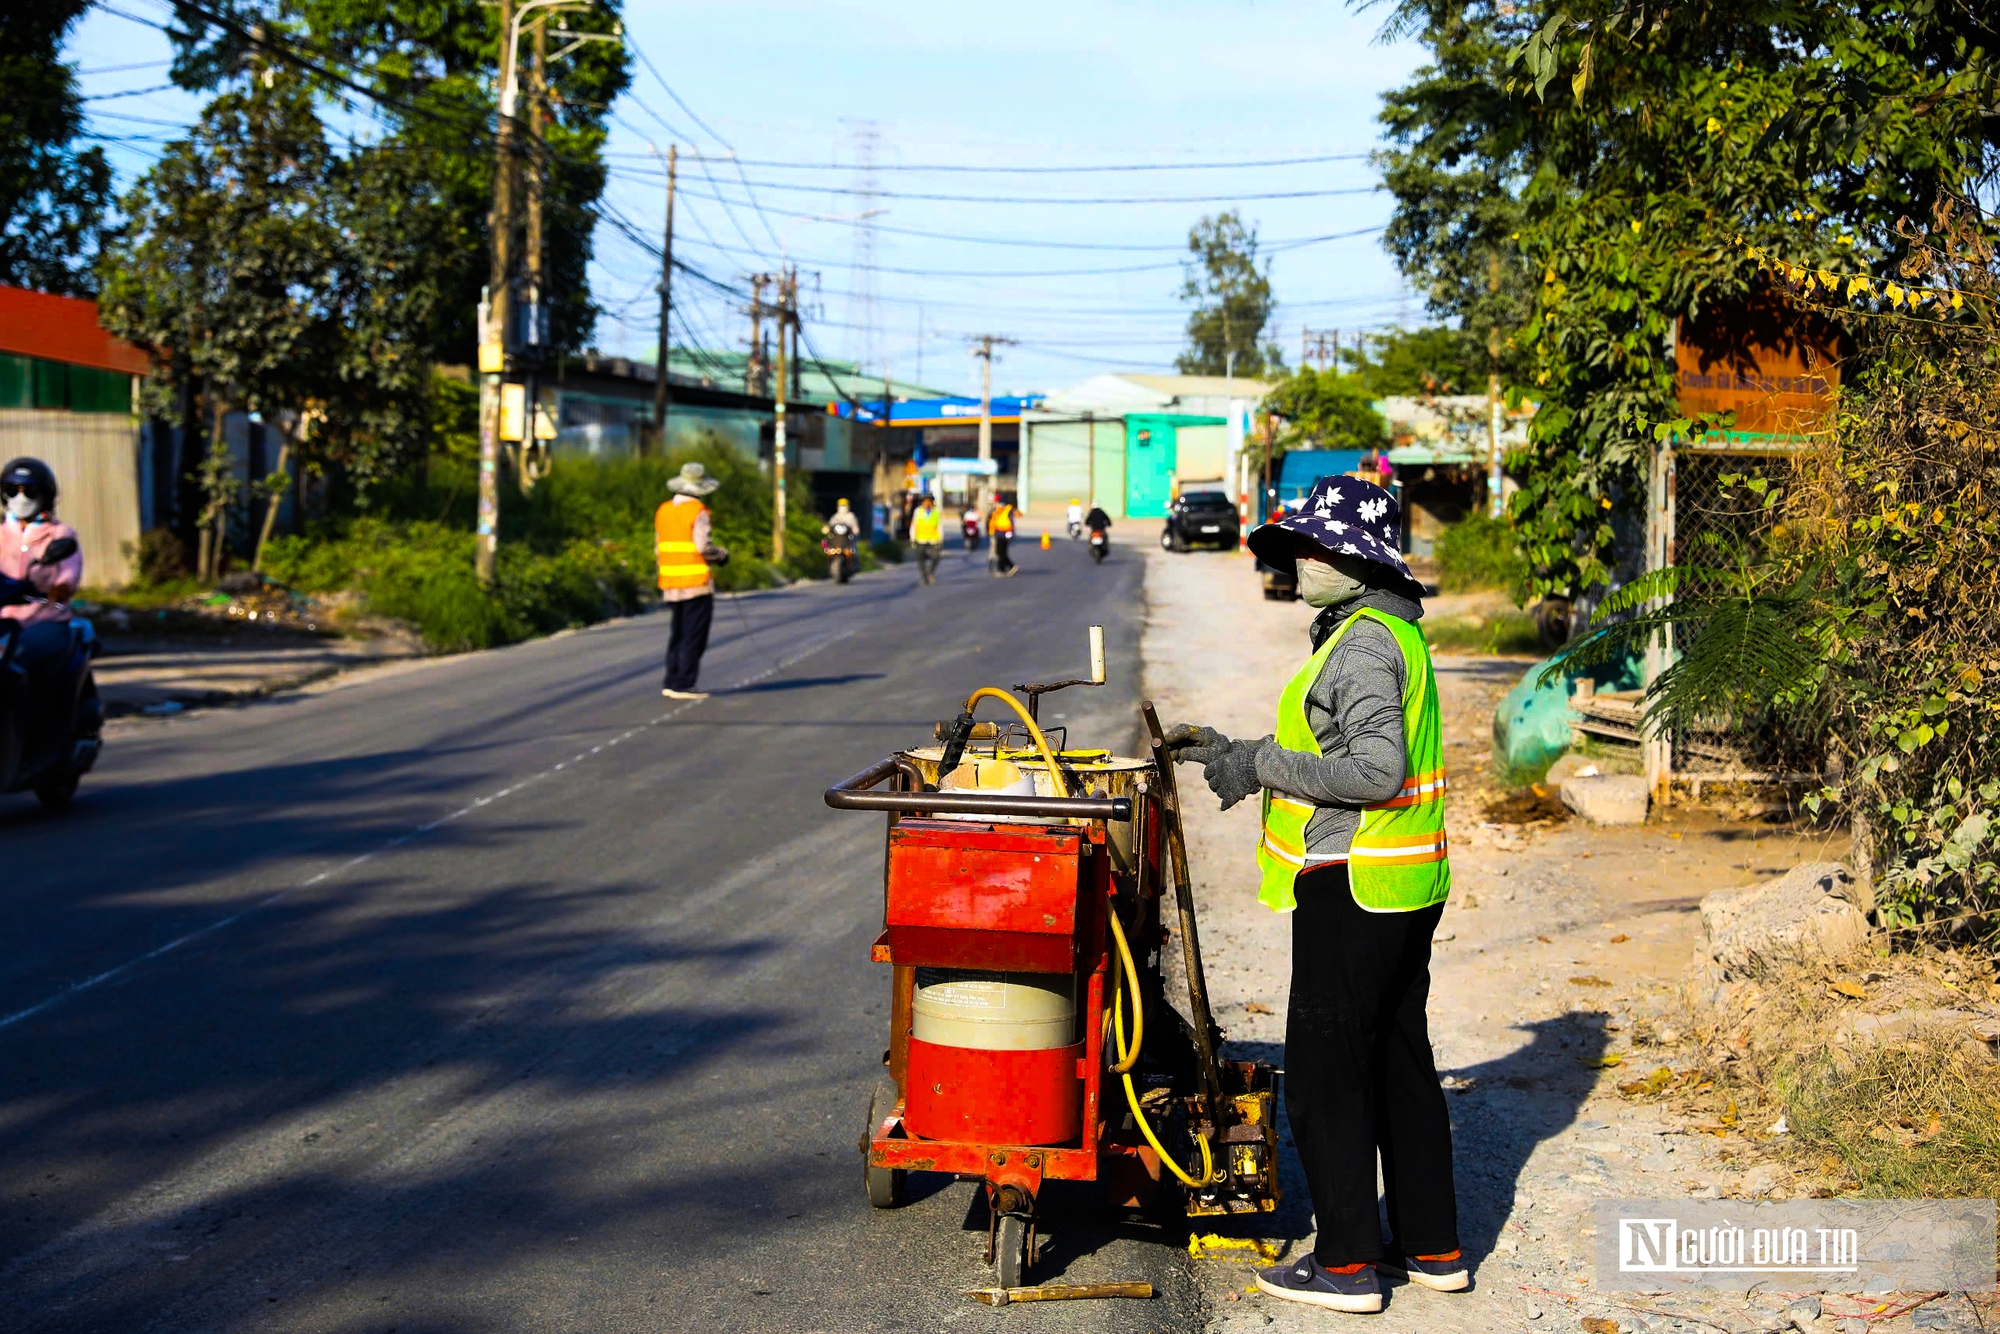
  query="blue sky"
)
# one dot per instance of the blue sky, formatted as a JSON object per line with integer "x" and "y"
{"x": 1033, "y": 84}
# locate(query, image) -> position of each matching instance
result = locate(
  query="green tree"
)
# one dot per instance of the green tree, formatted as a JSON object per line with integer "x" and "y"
{"x": 226, "y": 266}
{"x": 1419, "y": 363}
{"x": 430, "y": 68}
{"x": 52, "y": 196}
{"x": 1682, "y": 136}
{"x": 280, "y": 279}
{"x": 1326, "y": 410}
{"x": 1462, "y": 153}
{"x": 1233, "y": 302}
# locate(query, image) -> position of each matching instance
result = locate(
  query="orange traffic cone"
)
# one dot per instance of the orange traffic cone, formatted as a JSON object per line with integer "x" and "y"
{"x": 1045, "y": 541}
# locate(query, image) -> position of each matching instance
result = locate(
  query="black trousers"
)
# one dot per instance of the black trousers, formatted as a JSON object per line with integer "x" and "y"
{"x": 927, "y": 560}
{"x": 1001, "y": 560}
{"x": 688, "y": 640}
{"x": 1359, "y": 1077}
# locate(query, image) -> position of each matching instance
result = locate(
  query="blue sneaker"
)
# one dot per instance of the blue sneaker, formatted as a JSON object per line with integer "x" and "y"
{"x": 1304, "y": 1280}
{"x": 1446, "y": 1274}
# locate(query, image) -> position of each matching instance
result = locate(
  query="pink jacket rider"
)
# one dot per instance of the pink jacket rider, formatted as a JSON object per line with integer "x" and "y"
{"x": 21, "y": 544}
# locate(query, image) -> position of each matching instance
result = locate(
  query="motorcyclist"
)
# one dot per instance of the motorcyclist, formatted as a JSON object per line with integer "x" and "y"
{"x": 1075, "y": 518}
{"x": 837, "y": 538}
{"x": 968, "y": 524}
{"x": 28, "y": 495}
{"x": 1097, "y": 521}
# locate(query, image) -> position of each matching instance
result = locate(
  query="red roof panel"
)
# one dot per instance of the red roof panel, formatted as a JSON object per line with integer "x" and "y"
{"x": 63, "y": 328}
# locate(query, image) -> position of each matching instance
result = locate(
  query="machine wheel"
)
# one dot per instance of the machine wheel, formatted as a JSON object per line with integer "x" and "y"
{"x": 1010, "y": 1252}
{"x": 55, "y": 791}
{"x": 885, "y": 1184}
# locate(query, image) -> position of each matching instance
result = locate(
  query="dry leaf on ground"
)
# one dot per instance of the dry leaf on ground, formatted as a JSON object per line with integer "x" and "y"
{"x": 1258, "y": 1007}
{"x": 1604, "y": 1062}
{"x": 1620, "y": 938}
{"x": 1588, "y": 980}
{"x": 1597, "y": 1324}
{"x": 1848, "y": 987}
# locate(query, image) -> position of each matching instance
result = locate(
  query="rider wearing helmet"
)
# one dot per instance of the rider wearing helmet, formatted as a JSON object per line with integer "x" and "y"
{"x": 28, "y": 496}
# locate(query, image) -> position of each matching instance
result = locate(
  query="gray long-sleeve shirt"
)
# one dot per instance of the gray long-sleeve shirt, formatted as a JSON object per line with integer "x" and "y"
{"x": 1355, "y": 709}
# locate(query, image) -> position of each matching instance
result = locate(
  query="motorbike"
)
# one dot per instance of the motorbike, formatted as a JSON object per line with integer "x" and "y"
{"x": 51, "y": 720}
{"x": 970, "y": 527}
{"x": 1075, "y": 529}
{"x": 838, "y": 546}
{"x": 1100, "y": 544}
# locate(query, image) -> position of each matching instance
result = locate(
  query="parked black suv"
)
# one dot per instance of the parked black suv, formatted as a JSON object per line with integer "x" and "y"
{"x": 1201, "y": 516}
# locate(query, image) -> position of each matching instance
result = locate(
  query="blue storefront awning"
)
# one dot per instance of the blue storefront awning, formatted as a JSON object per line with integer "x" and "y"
{"x": 935, "y": 411}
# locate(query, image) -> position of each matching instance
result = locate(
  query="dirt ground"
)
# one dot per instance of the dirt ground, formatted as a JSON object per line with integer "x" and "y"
{"x": 1563, "y": 950}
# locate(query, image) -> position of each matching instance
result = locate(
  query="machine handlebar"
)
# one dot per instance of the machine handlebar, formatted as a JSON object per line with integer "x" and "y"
{"x": 851, "y": 794}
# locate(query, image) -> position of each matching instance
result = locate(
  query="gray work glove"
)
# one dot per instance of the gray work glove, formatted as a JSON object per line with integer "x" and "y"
{"x": 1232, "y": 775}
{"x": 716, "y": 556}
{"x": 1191, "y": 742}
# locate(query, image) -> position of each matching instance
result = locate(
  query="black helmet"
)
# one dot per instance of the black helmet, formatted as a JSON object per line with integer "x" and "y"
{"x": 32, "y": 476}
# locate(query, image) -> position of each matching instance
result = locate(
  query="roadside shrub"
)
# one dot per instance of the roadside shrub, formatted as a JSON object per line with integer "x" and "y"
{"x": 1480, "y": 552}
{"x": 157, "y": 557}
{"x": 577, "y": 549}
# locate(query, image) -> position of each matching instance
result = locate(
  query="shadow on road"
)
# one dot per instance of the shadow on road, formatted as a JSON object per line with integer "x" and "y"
{"x": 1512, "y": 1104}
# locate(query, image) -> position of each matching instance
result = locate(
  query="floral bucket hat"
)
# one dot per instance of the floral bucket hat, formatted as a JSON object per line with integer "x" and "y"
{"x": 1342, "y": 516}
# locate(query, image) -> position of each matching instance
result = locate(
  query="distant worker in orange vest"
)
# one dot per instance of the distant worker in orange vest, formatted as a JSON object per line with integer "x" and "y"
{"x": 687, "y": 556}
{"x": 1001, "y": 525}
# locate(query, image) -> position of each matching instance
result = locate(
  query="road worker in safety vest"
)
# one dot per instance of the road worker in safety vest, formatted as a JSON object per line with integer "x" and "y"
{"x": 688, "y": 556}
{"x": 927, "y": 536}
{"x": 1352, "y": 783}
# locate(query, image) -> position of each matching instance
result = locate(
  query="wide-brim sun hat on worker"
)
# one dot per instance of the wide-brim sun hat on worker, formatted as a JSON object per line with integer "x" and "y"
{"x": 693, "y": 481}
{"x": 1341, "y": 516}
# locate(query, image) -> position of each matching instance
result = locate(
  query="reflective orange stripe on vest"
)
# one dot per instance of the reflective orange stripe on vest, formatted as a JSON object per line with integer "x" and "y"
{"x": 681, "y": 565}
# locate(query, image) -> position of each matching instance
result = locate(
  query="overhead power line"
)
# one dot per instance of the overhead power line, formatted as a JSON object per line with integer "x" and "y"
{"x": 1053, "y": 171}
{"x": 1057, "y": 200}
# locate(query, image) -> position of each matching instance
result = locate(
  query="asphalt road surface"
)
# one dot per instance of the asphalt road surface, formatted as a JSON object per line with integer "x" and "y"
{"x": 502, "y": 994}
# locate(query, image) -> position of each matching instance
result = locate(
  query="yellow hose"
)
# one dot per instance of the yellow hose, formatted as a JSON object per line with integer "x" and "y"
{"x": 1041, "y": 742}
{"x": 1208, "y": 1175}
{"x": 1127, "y": 1057}
{"x": 1120, "y": 996}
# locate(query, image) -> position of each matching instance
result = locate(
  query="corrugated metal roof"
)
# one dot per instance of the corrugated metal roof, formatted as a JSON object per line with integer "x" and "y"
{"x": 819, "y": 381}
{"x": 1202, "y": 386}
{"x": 65, "y": 329}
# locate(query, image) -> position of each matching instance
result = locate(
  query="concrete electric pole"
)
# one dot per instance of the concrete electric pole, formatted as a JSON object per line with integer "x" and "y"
{"x": 494, "y": 314}
{"x": 660, "y": 395}
{"x": 982, "y": 347}
{"x": 1494, "y": 508}
{"x": 787, "y": 288}
{"x": 528, "y": 463}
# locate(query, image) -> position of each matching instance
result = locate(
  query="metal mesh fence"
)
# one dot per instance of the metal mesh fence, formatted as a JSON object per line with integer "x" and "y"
{"x": 1719, "y": 522}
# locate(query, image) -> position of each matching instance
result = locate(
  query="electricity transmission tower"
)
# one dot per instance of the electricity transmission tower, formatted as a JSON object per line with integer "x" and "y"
{"x": 863, "y": 313}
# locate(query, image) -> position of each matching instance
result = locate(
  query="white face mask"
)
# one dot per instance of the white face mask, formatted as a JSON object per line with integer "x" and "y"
{"x": 1323, "y": 585}
{"x": 23, "y": 506}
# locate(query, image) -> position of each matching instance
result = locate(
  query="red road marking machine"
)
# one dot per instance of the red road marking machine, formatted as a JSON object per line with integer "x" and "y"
{"x": 1029, "y": 1036}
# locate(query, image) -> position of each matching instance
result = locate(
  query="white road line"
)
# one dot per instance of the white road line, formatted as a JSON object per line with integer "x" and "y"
{"x": 111, "y": 974}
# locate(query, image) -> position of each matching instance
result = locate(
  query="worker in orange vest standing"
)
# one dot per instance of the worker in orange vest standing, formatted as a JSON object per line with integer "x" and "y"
{"x": 1000, "y": 524}
{"x": 688, "y": 555}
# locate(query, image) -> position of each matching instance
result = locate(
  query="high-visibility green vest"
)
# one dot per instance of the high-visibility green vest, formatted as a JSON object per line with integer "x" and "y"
{"x": 927, "y": 525}
{"x": 1397, "y": 862}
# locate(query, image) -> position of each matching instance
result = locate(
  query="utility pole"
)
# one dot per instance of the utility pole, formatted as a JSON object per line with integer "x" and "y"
{"x": 982, "y": 347}
{"x": 527, "y": 469}
{"x": 493, "y": 322}
{"x": 1493, "y": 466}
{"x": 778, "y": 431}
{"x": 755, "y": 366}
{"x": 1319, "y": 345}
{"x": 660, "y": 396}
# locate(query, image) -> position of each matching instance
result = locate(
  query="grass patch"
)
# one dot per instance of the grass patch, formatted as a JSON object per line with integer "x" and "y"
{"x": 1908, "y": 1113}
{"x": 1479, "y": 552}
{"x": 1508, "y": 632}
{"x": 1919, "y": 1119}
